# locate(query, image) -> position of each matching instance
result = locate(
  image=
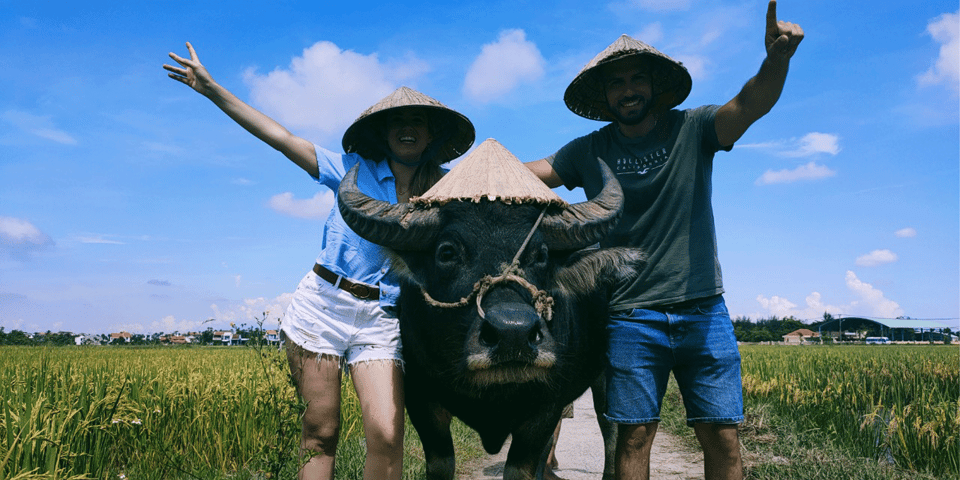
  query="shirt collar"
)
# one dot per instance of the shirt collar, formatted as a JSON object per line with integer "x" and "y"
{"x": 382, "y": 170}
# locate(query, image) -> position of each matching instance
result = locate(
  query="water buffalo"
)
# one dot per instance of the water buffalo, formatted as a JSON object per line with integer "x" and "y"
{"x": 496, "y": 331}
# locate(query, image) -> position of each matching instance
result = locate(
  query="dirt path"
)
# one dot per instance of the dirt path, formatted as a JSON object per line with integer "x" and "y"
{"x": 580, "y": 452}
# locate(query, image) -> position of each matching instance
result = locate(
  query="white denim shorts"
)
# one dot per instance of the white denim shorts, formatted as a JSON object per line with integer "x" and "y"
{"x": 329, "y": 321}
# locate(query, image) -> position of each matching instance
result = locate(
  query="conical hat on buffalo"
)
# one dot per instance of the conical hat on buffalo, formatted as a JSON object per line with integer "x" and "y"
{"x": 493, "y": 173}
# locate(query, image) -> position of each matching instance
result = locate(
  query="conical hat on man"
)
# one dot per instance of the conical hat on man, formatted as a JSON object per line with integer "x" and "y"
{"x": 490, "y": 172}
{"x": 453, "y": 132}
{"x": 586, "y": 95}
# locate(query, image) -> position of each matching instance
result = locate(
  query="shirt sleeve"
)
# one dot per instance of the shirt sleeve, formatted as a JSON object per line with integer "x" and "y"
{"x": 332, "y": 166}
{"x": 707, "y": 118}
{"x": 566, "y": 161}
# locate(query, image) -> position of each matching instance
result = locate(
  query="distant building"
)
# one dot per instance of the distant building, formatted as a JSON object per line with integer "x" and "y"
{"x": 227, "y": 338}
{"x": 177, "y": 339}
{"x": 272, "y": 337}
{"x": 125, "y": 336}
{"x": 801, "y": 336}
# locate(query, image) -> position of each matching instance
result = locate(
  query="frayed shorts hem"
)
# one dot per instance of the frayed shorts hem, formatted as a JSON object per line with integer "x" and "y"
{"x": 716, "y": 420}
{"x": 632, "y": 421}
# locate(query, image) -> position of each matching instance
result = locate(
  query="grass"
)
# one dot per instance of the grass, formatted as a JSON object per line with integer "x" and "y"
{"x": 844, "y": 412}
{"x": 72, "y": 413}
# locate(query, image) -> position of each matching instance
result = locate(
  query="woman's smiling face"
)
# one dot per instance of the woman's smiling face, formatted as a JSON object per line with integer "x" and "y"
{"x": 408, "y": 134}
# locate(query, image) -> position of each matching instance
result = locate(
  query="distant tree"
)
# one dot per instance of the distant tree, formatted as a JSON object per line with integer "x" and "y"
{"x": 16, "y": 337}
{"x": 206, "y": 337}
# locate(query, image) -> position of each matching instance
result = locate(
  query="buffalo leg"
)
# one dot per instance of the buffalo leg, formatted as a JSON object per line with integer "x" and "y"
{"x": 432, "y": 423}
{"x": 607, "y": 429}
{"x": 530, "y": 445}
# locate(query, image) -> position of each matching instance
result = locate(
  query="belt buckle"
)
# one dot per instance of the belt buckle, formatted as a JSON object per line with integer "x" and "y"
{"x": 360, "y": 291}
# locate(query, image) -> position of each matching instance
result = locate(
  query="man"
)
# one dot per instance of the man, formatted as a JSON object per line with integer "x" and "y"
{"x": 672, "y": 316}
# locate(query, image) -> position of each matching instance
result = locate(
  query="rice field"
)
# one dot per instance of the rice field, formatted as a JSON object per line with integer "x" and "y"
{"x": 107, "y": 412}
{"x": 230, "y": 413}
{"x": 71, "y": 413}
{"x": 896, "y": 404}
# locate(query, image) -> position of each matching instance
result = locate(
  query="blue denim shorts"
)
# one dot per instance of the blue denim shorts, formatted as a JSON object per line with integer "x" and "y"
{"x": 695, "y": 341}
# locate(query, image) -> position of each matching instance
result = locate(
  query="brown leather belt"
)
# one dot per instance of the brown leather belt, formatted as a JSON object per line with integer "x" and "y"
{"x": 359, "y": 290}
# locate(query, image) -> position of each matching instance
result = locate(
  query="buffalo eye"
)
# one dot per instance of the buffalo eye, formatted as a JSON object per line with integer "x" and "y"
{"x": 447, "y": 254}
{"x": 540, "y": 256}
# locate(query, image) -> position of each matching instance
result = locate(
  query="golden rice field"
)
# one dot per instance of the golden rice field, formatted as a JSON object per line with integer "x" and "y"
{"x": 70, "y": 413}
{"x": 167, "y": 413}
{"x": 894, "y": 403}
{"x": 107, "y": 412}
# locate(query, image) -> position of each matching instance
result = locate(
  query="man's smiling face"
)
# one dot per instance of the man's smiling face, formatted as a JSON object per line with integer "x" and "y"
{"x": 629, "y": 90}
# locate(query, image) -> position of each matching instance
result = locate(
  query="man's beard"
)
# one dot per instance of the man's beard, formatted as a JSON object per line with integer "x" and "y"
{"x": 636, "y": 118}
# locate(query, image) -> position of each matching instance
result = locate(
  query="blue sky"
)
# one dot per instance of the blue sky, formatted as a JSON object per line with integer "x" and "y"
{"x": 129, "y": 202}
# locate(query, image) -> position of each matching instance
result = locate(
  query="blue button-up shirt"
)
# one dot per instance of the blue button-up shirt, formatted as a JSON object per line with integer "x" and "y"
{"x": 342, "y": 251}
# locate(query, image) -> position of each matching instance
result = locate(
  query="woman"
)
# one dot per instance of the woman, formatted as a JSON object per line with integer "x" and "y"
{"x": 342, "y": 313}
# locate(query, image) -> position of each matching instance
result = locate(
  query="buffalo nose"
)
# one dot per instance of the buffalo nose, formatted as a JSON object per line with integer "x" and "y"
{"x": 511, "y": 329}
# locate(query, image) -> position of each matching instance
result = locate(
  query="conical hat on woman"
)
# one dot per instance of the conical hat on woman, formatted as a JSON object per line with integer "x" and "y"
{"x": 453, "y": 133}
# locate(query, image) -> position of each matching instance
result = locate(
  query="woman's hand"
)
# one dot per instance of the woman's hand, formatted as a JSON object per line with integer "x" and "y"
{"x": 193, "y": 73}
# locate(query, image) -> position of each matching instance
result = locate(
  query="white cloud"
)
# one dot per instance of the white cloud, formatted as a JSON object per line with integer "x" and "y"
{"x": 908, "y": 232}
{"x": 811, "y": 144}
{"x": 651, "y": 34}
{"x": 502, "y": 66}
{"x": 945, "y": 30}
{"x": 873, "y": 299}
{"x": 814, "y": 143}
{"x": 98, "y": 239}
{"x": 777, "y": 306}
{"x": 253, "y": 310}
{"x": 696, "y": 65}
{"x": 19, "y": 237}
{"x": 810, "y": 171}
{"x": 326, "y": 88}
{"x": 36, "y": 125}
{"x": 317, "y": 207}
{"x": 876, "y": 258}
{"x": 171, "y": 324}
{"x": 782, "y": 307}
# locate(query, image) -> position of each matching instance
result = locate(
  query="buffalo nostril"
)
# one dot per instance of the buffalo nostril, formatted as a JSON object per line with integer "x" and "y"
{"x": 536, "y": 337}
{"x": 488, "y": 335}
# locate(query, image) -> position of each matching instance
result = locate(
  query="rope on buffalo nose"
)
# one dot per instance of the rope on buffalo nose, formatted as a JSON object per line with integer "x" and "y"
{"x": 542, "y": 301}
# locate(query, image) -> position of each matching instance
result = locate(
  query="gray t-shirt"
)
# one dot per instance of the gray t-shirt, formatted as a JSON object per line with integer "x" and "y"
{"x": 666, "y": 180}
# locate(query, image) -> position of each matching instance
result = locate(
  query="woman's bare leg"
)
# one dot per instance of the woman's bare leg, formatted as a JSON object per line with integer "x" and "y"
{"x": 318, "y": 383}
{"x": 379, "y": 387}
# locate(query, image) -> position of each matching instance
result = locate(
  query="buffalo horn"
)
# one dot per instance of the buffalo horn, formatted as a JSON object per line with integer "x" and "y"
{"x": 400, "y": 226}
{"x": 583, "y": 224}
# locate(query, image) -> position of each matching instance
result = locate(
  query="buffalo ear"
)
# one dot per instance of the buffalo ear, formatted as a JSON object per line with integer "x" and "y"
{"x": 590, "y": 270}
{"x": 409, "y": 266}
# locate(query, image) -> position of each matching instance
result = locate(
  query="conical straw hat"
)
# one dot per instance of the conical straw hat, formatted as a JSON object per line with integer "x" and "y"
{"x": 493, "y": 173}
{"x": 587, "y": 97}
{"x": 456, "y": 131}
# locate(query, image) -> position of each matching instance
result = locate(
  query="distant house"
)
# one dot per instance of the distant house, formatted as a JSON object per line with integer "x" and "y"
{"x": 272, "y": 337}
{"x": 125, "y": 336}
{"x": 227, "y": 338}
{"x": 176, "y": 339}
{"x": 800, "y": 337}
